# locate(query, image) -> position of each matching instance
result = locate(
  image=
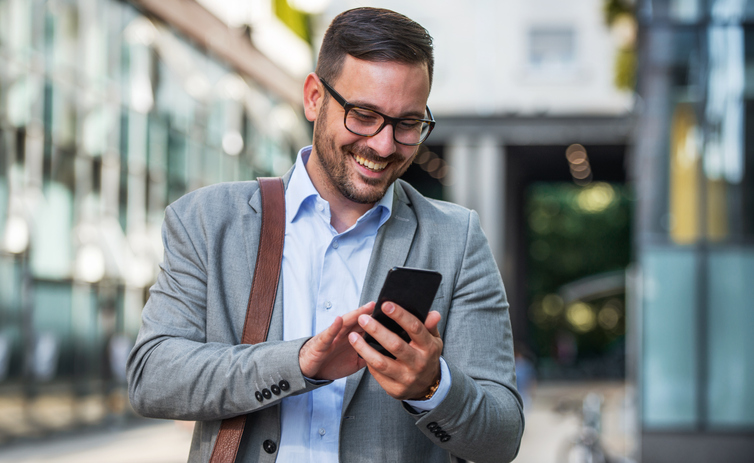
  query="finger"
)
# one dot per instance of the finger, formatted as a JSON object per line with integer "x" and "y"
{"x": 413, "y": 326}
{"x": 389, "y": 340}
{"x": 433, "y": 319}
{"x": 324, "y": 340}
{"x": 370, "y": 356}
{"x": 351, "y": 318}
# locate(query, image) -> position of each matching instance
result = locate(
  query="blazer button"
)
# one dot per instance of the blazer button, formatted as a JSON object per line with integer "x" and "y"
{"x": 269, "y": 446}
{"x": 258, "y": 395}
{"x": 284, "y": 385}
{"x": 445, "y": 438}
{"x": 275, "y": 389}
{"x": 266, "y": 393}
{"x": 440, "y": 434}
{"x": 433, "y": 426}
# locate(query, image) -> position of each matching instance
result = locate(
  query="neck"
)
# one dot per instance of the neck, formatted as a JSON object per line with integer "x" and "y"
{"x": 343, "y": 217}
{"x": 343, "y": 212}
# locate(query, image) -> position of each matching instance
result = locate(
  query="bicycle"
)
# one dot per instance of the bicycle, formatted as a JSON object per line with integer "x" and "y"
{"x": 586, "y": 447}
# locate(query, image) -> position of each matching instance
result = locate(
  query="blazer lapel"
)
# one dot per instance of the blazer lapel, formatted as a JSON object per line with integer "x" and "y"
{"x": 391, "y": 248}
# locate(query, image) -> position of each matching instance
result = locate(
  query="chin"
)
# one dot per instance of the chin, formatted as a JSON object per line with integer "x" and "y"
{"x": 364, "y": 191}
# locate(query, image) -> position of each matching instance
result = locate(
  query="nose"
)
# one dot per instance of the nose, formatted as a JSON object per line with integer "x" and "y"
{"x": 383, "y": 143}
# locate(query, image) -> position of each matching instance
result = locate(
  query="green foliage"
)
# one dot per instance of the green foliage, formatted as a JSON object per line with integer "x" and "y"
{"x": 296, "y": 20}
{"x": 612, "y": 9}
{"x": 625, "y": 69}
{"x": 575, "y": 232}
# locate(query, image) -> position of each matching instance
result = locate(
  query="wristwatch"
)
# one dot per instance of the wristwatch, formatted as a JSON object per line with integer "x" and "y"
{"x": 432, "y": 390}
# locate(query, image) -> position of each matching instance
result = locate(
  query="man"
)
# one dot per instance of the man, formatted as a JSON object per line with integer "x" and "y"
{"x": 450, "y": 392}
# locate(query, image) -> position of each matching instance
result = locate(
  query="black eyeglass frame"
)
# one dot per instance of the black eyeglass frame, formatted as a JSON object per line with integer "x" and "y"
{"x": 387, "y": 120}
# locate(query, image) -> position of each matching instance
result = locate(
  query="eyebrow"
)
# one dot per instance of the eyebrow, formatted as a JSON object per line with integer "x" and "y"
{"x": 408, "y": 115}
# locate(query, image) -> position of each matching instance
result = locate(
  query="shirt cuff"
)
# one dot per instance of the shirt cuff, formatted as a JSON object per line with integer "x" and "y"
{"x": 317, "y": 382}
{"x": 440, "y": 393}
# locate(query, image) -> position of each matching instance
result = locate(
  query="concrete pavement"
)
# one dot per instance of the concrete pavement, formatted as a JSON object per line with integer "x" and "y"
{"x": 153, "y": 441}
{"x": 553, "y": 420}
{"x": 149, "y": 442}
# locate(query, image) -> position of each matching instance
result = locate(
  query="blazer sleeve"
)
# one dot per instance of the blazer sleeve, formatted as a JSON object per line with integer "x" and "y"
{"x": 482, "y": 413}
{"x": 173, "y": 371}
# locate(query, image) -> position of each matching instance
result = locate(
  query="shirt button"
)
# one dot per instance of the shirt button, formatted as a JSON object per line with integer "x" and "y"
{"x": 320, "y": 207}
{"x": 335, "y": 244}
{"x": 328, "y": 305}
{"x": 321, "y": 431}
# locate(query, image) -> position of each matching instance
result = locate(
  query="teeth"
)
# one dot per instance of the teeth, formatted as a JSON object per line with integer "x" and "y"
{"x": 375, "y": 166}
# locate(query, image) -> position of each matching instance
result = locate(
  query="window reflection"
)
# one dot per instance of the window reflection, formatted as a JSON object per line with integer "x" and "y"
{"x": 105, "y": 117}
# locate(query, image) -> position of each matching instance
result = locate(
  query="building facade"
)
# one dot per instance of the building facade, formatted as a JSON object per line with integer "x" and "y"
{"x": 693, "y": 166}
{"x": 109, "y": 111}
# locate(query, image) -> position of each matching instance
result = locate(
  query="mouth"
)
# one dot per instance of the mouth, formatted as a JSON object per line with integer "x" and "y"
{"x": 373, "y": 166}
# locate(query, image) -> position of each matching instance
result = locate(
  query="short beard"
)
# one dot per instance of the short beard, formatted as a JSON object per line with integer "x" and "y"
{"x": 333, "y": 161}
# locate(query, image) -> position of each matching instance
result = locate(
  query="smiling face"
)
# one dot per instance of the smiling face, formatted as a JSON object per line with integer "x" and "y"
{"x": 352, "y": 167}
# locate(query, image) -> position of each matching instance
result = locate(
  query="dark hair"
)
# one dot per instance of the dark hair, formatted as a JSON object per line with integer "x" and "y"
{"x": 373, "y": 34}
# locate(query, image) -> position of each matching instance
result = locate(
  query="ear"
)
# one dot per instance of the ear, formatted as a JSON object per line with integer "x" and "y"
{"x": 313, "y": 96}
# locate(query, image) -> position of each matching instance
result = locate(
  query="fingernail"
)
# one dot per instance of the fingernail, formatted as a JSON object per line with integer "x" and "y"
{"x": 364, "y": 320}
{"x": 353, "y": 337}
{"x": 388, "y": 308}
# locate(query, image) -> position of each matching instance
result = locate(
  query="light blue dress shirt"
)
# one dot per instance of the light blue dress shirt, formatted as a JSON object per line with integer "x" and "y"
{"x": 323, "y": 274}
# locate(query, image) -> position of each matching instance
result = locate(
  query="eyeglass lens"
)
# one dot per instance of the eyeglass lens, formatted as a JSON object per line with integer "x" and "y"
{"x": 367, "y": 123}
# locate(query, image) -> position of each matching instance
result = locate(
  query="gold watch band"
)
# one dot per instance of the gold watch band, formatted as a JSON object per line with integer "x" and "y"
{"x": 432, "y": 390}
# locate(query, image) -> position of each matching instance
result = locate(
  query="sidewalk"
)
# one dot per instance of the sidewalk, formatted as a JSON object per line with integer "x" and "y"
{"x": 155, "y": 441}
{"x": 548, "y": 431}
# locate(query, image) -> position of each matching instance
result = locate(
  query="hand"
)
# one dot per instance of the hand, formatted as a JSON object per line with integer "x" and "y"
{"x": 417, "y": 364}
{"x": 328, "y": 355}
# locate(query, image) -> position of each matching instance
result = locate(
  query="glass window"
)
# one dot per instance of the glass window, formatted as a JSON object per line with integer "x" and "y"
{"x": 731, "y": 365}
{"x": 177, "y": 175}
{"x": 4, "y": 193}
{"x": 671, "y": 176}
{"x": 4, "y": 19}
{"x": 686, "y": 11}
{"x": 19, "y": 27}
{"x": 63, "y": 19}
{"x": 52, "y": 253}
{"x": 83, "y": 315}
{"x": 669, "y": 368}
{"x": 552, "y": 49}
{"x": 52, "y": 326}
{"x": 21, "y": 98}
{"x": 158, "y": 168}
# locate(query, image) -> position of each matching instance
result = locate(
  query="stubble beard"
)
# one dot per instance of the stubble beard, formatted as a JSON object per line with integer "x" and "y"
{"x": 334, "y": 162}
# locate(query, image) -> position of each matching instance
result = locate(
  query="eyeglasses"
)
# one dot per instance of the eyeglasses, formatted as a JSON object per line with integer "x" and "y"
{"x": 368, "y": 122}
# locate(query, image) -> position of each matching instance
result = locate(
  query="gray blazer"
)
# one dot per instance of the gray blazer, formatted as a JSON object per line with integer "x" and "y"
{"x": 187, "y": 363}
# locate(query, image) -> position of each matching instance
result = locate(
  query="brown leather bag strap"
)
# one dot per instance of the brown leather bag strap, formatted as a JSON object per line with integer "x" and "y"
{"x": 261, "y": 299}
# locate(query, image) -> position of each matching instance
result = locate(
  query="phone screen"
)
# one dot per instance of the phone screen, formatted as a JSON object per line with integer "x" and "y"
{"x": 411, "y": 288}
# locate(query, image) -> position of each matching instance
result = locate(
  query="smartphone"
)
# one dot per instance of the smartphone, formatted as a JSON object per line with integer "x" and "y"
{"x": 411, "y": 288}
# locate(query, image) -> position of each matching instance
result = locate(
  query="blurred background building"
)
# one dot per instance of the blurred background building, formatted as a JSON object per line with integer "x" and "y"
{"x": 693, "y": 171}
{"x": 110, "y": 111}
{"x": 604, "y": 144}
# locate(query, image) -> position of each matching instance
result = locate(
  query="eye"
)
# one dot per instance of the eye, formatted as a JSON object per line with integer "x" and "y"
{"x": 409, "y": 125}
{"x": 364, "y": 116}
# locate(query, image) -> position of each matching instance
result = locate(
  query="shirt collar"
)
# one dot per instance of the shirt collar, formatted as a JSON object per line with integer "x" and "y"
{"x": 300, "y": 189}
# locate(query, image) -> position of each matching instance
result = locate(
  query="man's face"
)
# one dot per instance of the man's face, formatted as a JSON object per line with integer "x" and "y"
{"x": 359, "y": 168}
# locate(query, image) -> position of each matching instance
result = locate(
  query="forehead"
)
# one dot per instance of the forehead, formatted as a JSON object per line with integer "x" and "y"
{"x": 391, "y": 87}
